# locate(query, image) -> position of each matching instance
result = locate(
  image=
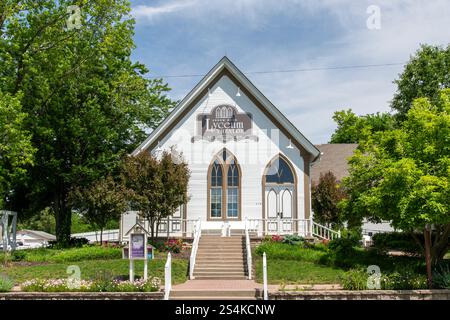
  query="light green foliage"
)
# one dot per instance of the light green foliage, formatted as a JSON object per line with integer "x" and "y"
{"x": 6, "y": 284}
{"x": 402, "y": 175}
{"x": 426, "y": 73}
{"x": 16, "y": 151}
{"x": 352, "y": 128}
{"x": 67, "y": 255}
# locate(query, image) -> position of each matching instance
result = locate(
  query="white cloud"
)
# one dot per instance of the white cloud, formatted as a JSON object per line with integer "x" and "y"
{"x": 142, "y": 12}
{"x": 309, "y": 98}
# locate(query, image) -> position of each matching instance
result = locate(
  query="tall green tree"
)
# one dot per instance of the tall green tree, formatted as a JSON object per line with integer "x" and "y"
{"x": 351, "y": 128}
{"x": 87, "y": 102}
{"x": 325, "y": 196}
{"x": 16, "y": 150}
{"x": 403, "y": 175}
{"x": 101, "y": 202}
{"x": 424, "y": 76}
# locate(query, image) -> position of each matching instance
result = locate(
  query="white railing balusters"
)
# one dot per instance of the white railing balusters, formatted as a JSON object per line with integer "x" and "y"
{"x": 303, "y": 227}
{"x": 197, "y": 235}
{"x": 248, "y": 249}
{"x": 168, "y": 277}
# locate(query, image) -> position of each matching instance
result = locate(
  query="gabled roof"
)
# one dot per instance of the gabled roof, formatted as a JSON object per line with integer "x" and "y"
{"x": 226, "y": 67}
{"x": 334, "y": 158}
{"x": 37, "y": 234}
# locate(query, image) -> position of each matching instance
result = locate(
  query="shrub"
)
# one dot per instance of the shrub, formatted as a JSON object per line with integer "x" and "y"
{"x": 343, "y": 247}
{"x": 173, "y": 245}
{"x": 87, "y": 253}
{"x": 400, "y": 241}
{"x": 6, "y": 284}
{"x": 293, "y": 240}
{"x": 441, "y": 276}
{"x": 404, "y": 279}
{"x": 277, "y": 238}
{"x": 73, "y": 243}
{"x": 18, "y": 255}
{"x": 354, "y": 279}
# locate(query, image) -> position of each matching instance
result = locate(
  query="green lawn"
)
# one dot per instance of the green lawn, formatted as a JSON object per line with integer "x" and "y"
{"x": 92, "y": 269}
{"x": 296, "y": 272}
{"x": 295, "y": 264}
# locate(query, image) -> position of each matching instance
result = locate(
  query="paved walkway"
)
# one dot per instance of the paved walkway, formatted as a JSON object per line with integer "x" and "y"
{"x": 217, "y": 285}
{"x": 248, "y": 285}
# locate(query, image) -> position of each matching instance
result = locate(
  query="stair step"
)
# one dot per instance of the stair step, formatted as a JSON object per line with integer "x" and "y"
{"x": 218, "y": 273}
{"x": 214, "y": 298}
{"x": 213, "y": 293}
{"x": 220, "y": 277}
{"x": 218, "y": 269}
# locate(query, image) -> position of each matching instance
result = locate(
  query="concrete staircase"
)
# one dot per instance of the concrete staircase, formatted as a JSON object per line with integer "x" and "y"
{"x": 214, "y": 294}
{"x": 220, "y": 258}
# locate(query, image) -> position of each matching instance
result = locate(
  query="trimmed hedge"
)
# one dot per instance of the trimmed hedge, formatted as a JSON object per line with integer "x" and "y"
{"x": 67, "y": 255}
{"x": 400, "y": 241}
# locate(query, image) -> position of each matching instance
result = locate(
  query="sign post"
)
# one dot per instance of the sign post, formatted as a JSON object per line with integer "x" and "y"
{"x": 137, "y": 249}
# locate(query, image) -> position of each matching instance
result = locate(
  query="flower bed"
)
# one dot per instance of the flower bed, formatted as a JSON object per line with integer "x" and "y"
{"x": 70, "y": 285}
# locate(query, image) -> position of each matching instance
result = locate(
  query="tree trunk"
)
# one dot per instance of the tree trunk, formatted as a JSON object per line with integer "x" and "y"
{"x": 63, "y": 217}
{"x": 101, "y": 236}
{"x": 427, "y": 236}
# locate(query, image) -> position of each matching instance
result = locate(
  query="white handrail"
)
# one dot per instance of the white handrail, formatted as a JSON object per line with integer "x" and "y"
{"x": 197, "y": 235}
{"x": 323, "y": 232}
{"x": 265, "y": 289}
{"x": 248, "y": 249}
{"x": 168, "y": 277}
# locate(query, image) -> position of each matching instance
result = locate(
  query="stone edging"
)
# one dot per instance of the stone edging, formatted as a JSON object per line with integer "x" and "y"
{"x": 82, "y": 296}
{"x": 361, "y": 295}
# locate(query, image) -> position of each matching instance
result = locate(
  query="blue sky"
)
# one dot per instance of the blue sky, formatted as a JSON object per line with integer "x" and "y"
{"x": 183, "y": 37}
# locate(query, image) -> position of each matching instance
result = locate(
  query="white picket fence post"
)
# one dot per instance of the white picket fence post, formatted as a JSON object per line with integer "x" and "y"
{"x": 168, "y": 277}
{"x": 265, "y": 290}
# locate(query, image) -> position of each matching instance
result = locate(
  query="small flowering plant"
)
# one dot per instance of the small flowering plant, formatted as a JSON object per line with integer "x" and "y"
{"x": 173, "y": 245}
{"x": 63, "y": 285}
{"x": 277, "y": 238}
{"x": 55, "y": 285}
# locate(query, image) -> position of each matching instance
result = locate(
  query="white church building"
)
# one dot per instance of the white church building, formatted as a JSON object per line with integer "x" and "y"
{"x": 250, "y": 166}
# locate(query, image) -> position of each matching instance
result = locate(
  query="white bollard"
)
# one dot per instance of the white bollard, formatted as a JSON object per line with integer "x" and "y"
{"x": 266, "y": 293}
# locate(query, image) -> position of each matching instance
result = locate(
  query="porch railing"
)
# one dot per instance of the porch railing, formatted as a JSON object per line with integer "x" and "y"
{"x": 323, "y": 232}
{"x": 197, "y": 235}
{"x": 271, "y": 226}
{"x": 285, "y": 226}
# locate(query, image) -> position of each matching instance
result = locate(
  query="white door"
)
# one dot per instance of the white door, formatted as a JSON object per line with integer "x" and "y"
{"x": 279, "y": 202}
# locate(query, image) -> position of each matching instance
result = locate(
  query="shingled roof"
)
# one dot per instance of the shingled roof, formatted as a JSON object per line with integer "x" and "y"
{"x": 334, "y": 158}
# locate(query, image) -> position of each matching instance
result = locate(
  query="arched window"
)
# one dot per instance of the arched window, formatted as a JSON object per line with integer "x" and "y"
{"x": 279, "y": 172}
{"x": 216, "y": 189}
{"x": 224, "y": 191}
{"x": 280, "y": 189}
{"x": 232, "y": 190}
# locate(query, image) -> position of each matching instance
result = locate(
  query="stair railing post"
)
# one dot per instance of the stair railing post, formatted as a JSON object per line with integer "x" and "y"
{"x": 265, "y": 290}
{"x": 168, "y": 277}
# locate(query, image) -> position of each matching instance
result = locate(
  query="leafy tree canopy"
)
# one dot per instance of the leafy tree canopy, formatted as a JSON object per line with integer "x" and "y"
{"x": 16, "y": 150}
{"x": 352, "y": 128}
{"x": 325, "y": 197}
{"x": 402, "y": 175}
{"x": 424, "y": 76}
{"x": 87, "y": 102}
